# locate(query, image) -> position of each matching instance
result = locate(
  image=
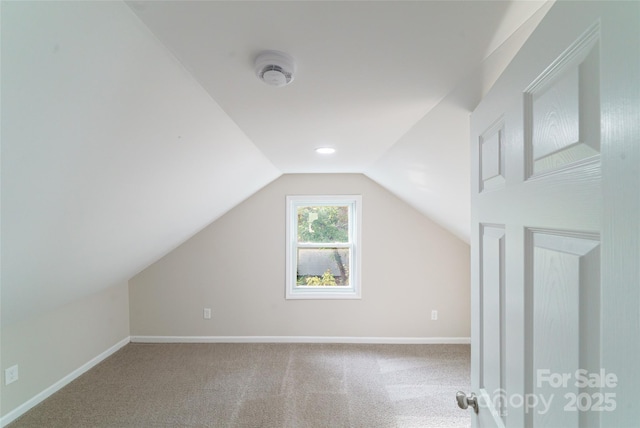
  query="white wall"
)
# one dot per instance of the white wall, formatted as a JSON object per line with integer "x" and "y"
{"x": 236, "y": 266}
{"x": 54, "y": 344}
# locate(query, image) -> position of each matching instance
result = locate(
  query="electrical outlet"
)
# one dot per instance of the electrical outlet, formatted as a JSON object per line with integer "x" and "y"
{"x": 207, "y": 313}
{"x": 434, "y": 315}
{"x": 11, "y": 375}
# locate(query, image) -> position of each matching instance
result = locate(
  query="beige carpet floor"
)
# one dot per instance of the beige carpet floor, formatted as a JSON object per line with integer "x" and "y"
{"x": 264, "y": 385}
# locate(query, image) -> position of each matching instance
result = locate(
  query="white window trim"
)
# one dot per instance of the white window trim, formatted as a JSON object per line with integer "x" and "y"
{"x": 353, "y": 291}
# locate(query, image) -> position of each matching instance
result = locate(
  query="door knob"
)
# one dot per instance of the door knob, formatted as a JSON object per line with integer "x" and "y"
{"x": 464, "y": 401}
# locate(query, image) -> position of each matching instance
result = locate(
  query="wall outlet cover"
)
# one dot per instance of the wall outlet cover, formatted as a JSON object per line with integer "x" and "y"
{"x": 11, "y": 374}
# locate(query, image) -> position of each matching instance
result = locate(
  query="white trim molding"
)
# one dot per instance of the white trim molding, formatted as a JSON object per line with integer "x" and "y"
{"x": 37, "y": 399}
{"x": 302, "y": 339}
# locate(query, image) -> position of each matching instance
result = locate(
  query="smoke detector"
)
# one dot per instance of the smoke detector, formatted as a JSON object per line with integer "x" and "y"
{"x": 275, "y": 68}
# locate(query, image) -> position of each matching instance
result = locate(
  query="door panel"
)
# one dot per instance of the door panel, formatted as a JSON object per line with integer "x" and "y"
{"x": 492, "y": 157}
{"x": 564, "y": 292}
{"x": 492, "y": 327}
{"x": 562, "y": 108}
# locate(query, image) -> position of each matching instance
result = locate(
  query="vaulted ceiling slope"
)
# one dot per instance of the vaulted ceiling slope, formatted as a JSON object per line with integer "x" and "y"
{"x": 128, "y": 127}
{"x": 429, "y": 166}
{"x": 112, "y": 154}
{"x": 388, "y": 84}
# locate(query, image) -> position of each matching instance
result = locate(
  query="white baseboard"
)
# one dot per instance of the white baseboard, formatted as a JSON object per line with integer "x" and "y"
{"x": 26, "y": 406}
{"x": 300, "y": 339}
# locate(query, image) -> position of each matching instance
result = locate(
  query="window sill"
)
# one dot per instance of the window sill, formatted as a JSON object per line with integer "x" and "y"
{"x": 320, "y": 293}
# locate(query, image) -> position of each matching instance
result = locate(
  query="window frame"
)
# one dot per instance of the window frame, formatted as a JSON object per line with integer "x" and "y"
{"x": 353, "y": 290}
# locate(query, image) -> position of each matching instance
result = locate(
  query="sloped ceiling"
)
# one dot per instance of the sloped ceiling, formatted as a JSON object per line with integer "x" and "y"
{"x": 388, "y": 84}
{"x": 126, "y": 128}
{"x": 112, "y": 154}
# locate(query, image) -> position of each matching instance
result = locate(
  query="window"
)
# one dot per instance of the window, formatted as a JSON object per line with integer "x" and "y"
{"x": 323, "y": 247}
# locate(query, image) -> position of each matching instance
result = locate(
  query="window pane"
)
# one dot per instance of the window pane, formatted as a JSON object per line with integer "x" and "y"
{"x": 323, "y": 224}
{"x": 323, "y": 266}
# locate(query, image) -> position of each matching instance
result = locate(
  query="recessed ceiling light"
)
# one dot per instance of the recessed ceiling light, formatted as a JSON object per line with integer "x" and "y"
{"x": 325, "y": 150}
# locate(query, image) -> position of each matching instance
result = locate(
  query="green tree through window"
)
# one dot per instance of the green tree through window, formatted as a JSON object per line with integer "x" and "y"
{"x": 325, "y": 225}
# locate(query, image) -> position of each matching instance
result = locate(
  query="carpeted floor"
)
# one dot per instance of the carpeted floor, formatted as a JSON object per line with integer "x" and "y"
{"x": 264, "y": 385}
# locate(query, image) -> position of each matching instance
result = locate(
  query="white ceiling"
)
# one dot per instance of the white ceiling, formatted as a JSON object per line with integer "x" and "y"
{"x": 367, "y": 70}
{"x": 128, "y": 127}
{"x": 369, "y": 74}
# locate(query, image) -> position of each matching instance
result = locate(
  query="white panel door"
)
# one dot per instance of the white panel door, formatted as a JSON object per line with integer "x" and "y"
{"x": 556, "y": 226}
